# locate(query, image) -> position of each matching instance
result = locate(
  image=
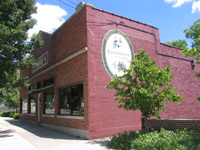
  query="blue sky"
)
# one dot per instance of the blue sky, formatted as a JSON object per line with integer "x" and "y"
{"x": 170, "y": 16}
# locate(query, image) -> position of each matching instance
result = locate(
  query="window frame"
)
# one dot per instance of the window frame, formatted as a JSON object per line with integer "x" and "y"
{"x": 81, "y": 101}
{"x": 48, "y": 87}
{"x": 22, "y": 106}
{"x": 30, "y": 104}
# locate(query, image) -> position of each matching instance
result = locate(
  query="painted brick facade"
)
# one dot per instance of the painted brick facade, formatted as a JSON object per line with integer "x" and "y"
{"x": 84, "y": 33}
{"x": 63, "y": 43}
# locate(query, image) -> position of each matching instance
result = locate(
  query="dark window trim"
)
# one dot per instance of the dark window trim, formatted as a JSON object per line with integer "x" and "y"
{"x": 59, "y": 105}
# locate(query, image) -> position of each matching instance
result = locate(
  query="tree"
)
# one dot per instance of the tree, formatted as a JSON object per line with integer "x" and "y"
{"x": 193, "y": 33}
{"x": 144, "y": 86}
{"x": 178, "y": 43}
{"x": 15, "y": 21}
{"x": 10, "y": 95}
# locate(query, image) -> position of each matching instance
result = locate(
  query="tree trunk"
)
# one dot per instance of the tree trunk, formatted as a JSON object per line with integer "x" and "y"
{"x": 146, "y": 125}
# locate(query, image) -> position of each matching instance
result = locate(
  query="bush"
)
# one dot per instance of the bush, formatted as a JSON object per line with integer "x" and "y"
{"x": 16, "y": 116}
{"x": 6, "y": 113}
{"x": 163, "y": 140}
{"x": 123, "y": 140}
{"x": 10, "y": 114}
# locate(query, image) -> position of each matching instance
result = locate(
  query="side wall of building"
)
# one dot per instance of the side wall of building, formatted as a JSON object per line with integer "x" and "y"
{"x": 106, "y": 118}
{"x": 185, "y": 83}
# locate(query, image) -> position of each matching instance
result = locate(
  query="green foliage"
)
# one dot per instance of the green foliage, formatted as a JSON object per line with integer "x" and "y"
{"x": 123, "y": 140}
{"x": 144, "y": 86}
{"x": 15, "y": 21}
{"x": 178, "y": 43}
{"x": 10, "y": 94}
{"x": 163, "y": 140}
{"x": 194, "y": 51}
{"x": 167, "y": 140}
{"x": 16, "y": 116}
{"x": 7, "y": 114}
{"x": 10, "y": 114}
{"x": 193, "y": 33}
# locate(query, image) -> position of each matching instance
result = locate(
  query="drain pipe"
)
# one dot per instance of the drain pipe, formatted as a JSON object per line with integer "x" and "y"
{"x": 121, "y": 24}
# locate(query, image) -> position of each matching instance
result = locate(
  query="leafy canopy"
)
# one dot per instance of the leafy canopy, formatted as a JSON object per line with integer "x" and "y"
{"x": 144, "y": 86}
{"x": 15, "y": 21}
{"x": 179, "y": 43}
{"x": 193, "y": 33}
{"x": 10, "y": 95}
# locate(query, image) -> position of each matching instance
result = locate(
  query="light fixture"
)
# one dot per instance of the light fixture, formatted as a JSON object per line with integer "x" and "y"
{"x": 194, "y": 62}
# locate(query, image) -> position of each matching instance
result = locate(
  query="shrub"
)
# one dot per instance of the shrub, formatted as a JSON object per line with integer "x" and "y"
{"x": 123, "y": 140}
{"x": 163, "y": 140}
{"x": 6, "y": 113}
{"x": 167, "y": 140}
{"x": 10, "y": 114}
{"x": 16, "y": 116}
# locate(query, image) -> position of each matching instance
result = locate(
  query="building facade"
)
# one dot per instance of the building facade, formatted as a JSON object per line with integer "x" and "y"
{"x": 78, "y": 60}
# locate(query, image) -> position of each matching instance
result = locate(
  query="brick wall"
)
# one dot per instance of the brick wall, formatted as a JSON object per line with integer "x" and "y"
{"x": 102, "y": 117}
{"x": 174, "y": 124}
{"x": 106, "y": 118}
{"x": 63, "y": 43}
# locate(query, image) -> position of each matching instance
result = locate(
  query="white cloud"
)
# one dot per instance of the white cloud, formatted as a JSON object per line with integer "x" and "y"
{"x": 196, "y": 6}
{"x": 177, "y": 3}
{"x": 49, "y": 18}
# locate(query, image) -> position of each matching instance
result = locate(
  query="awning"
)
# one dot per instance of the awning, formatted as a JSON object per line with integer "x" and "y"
{"x": 47, "y": 87}
{"x": 37, "y": 90}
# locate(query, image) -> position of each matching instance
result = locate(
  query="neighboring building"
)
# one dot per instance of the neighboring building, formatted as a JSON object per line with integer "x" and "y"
{"x": 5, "y": 108}
{"x": 78, "y": 60}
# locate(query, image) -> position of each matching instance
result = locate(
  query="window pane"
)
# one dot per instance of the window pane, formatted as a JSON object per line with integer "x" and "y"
{"x": 48, "y": 82}
{"x": 71, "y": 100}
{"x": 24, "y": 105}
{"x": 32, "y": 103}
{"x": 49, "y": 103}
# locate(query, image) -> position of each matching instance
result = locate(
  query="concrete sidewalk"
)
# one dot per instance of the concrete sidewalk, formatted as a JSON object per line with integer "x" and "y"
{"x": 22, "y": 135}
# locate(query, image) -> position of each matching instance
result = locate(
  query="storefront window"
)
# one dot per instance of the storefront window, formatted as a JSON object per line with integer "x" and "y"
{"x": 49, "y": 105}
{"x": 24, "y": 105}
{"x": 71, "y": 100}
{"x": 49, "y": 102}
{"x": 32, "y": 103}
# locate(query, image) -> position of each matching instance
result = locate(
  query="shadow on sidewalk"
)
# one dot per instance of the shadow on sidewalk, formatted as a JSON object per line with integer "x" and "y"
{"x": 6, "y": 133}
{"x": 103, "y": 142}
{"x": 40, "y": 131}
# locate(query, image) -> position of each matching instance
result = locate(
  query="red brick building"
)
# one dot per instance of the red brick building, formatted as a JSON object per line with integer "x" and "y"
{"x": 68, "y": 91}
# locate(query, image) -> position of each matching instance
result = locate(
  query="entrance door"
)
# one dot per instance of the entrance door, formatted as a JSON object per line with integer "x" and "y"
{"x": 39, "y": 102}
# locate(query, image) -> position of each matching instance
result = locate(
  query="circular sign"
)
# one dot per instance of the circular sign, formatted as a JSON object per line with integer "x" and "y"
{"x": 117, "y": 52}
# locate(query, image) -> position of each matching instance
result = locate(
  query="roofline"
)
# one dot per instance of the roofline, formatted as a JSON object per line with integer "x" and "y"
{"x": 123, "y": 17}
{"x": 101, "y": 11}
{"x": 43, "y": 32}
{"x": 172, "y": 46}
